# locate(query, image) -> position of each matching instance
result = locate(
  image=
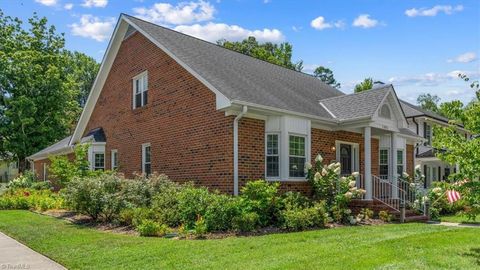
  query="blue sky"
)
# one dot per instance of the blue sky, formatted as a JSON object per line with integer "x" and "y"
{"x": 419, "y": 46}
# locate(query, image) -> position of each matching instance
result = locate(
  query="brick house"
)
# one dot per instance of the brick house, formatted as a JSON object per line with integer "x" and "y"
{"x": 169, "y": 103}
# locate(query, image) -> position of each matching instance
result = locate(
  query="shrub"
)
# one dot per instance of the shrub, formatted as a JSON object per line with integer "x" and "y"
{"x": 261, "y": 197}
{"x": 136, "y": 192}
{"x": 151, "y": 228}
{"x": 98, "y": 196}
{"x": 200, "y": 227}
{"x": 166, "y": 205}
{"x": 24, "y": 180}
{"x": 126, "y": 216}
{"x": 41, "y": 185}
{"x": 64, "y": 170}
{"x": 191, "y": 203}
{"x": 30, "y": 199}
{"x": 385, "y": 216}
{"x": 365, "y": 214}
{"x": 294, "y": 200}
{"x": 303, "y": 218}
{"x": 220, "y": 212}
{"x": 141, "y": 214}
{"x": 246, "y": 222}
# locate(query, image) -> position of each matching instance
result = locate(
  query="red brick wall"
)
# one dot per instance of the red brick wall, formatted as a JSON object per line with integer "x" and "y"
{"x": 323, "y": 141}
{"x": 38, "y": 166}
{"x": 190, "y": 139}
{"x": 410, "y": 154}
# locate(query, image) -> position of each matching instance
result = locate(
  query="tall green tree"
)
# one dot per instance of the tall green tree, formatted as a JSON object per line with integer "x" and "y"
{"x": 84, "y": 70}
{"x": 326, "y": 76}
{"x": 428, "y": 102}
{"x": 367, "y": 84}
{"x": 279, "y": 54}
{"x": 40, "y": 89}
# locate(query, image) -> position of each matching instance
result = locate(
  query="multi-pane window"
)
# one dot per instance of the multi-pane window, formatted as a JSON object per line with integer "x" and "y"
{"x": 296, "y": 156}
{"x": 428, "y": 134}
{"x": 146, "y": 159}
{"x": 273, "y": 161}
{"x": 383, "y": 163}
{"x": 114, "y": 160}
{"x": 99, "y": 161}
{"x": 400, "y": 168}
{"x": 140, "y": 90}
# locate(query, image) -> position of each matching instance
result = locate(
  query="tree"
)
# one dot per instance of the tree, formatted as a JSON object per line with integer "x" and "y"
{"x": 278, "y": 54}
{"x": 428, "y": 102}
{"x": 84, "y": 69}
{"x": 326, "y": 76}
{"x": 367, "y": 84}
{"x": 39, "y": 85}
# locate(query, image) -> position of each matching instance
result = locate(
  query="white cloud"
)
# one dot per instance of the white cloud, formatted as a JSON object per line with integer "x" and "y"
{"x": 432, "y": 78}
{"x": 47, "y": 2}
{"x": 464, "y": 58}
{"x": 364, "y": 21}
{"x": 95, "y": 3}
{"x": 216, "y": 31}
{"x": 430, "y": 12}
{"x": 182, "y": 13}
{"x": 319, "y": 23}
{"x": 68, "y": 6}
{"x": 93, "y": 27}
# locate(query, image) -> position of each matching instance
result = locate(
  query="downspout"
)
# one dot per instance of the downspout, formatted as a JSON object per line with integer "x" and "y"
{"x": 235, "y": 149}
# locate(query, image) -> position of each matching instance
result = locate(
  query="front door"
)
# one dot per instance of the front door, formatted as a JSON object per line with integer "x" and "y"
{"x": 346, "y": 159}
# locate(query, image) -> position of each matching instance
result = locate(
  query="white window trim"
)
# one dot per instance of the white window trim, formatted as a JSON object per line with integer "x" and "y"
{"x": 306, "y": 145}
{"x": 388, "y": 161}
{"x": 355, "y": 155}
{"x": 94, "y": 161}
{"x": 274, "y": 178}
{"x": 404, "y": 157}
{"x": 137, "y": 77}
{"x": 45, "y": 171}
{"x": 112, "y": 153}
{"x": 144, "y": 146}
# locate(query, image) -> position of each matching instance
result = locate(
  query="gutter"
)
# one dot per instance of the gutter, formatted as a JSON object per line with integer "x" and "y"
{"x": 235, "y": 149}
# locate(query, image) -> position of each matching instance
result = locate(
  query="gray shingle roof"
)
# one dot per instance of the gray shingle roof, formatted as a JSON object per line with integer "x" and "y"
{"x": 358, "y": 105}
{"x": 413, "y": 110}
{"x": 244, "y": 78}
{"x": 54, "y": 148}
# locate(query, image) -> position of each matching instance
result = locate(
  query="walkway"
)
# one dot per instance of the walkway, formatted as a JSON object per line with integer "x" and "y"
{"x": 14, "y": 255}
{"x": 453, "y": 224}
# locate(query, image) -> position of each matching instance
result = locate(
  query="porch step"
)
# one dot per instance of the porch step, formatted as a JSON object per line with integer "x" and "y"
{"x": 416, "y": 218}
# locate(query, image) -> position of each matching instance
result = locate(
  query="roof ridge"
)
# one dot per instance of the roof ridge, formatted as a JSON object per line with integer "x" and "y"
{"x": 358, "y": 93}
{"x": 244, "y": 55}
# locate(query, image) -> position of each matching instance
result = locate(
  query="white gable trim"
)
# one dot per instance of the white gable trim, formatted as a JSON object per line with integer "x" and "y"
{"x": 396, "y": 110}
{"x": 114, "y": 45}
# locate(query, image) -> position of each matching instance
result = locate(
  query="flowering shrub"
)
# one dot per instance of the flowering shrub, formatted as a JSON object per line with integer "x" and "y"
{"x": 336, "y": 191}
{"x": 25, "y": 180}
{"x": 40, "y": 200}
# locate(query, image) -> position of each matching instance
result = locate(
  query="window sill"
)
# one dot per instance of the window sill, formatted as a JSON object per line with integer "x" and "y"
{"x": 293, "y": 179}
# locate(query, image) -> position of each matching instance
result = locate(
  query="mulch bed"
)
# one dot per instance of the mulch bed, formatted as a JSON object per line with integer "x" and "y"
{"x": 84, "y": 220}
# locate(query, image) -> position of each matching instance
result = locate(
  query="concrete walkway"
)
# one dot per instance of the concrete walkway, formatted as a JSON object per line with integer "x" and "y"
{"x": 14, "y": 255}
{"x": 453, "y": 224}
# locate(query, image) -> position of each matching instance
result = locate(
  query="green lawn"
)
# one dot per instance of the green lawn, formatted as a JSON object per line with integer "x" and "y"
{"x": 459, "y": 219}
{"x": 408, "y": 246}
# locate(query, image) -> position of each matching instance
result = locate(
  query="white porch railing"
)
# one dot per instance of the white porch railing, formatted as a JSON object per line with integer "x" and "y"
{"x": 393, "y": 193}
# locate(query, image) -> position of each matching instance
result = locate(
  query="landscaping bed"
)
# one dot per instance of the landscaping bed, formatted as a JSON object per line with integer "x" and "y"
{"x": 393, "y": 246}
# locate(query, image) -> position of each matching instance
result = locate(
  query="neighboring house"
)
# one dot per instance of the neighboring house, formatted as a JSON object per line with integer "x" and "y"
{"x": 169, "y": 103}
{"x": 421, "y": 122}
{"x": 8, "y": 170}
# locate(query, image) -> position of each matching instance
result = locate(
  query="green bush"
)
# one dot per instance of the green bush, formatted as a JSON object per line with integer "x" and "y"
{"x": 261, "y": 197}
{"x": 98, "y": 196}
{"x": 64, "y": 170}
{"x": 220, "y": 212}
{"x": 41, "y": 185}
{"x": 126, "y": 216}
{"x": 141, "y": 214}
{"x": 385, "y": 216}
{"x": 295, "y": 200}
{"x": 200, "y": 227}
{"x": 304, "y": 218}
{"x": 192, "y": 202}
{"x": 151, "y": 228}
{"x": 136, "y": 192}
{"x": 166, "y": 205}
{"x": 246, "y": 222}
{"x": 30, "y": 199}
{"x": 24, "y": 180}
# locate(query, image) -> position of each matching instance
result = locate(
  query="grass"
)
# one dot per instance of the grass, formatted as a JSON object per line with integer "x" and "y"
{"x": 459, "y": 219}
{"x": 406, "y": 246}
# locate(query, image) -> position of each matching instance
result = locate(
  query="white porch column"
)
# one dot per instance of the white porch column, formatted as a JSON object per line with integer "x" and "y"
{"x": 393, "y": 164}
{"x": 367, "y": 135}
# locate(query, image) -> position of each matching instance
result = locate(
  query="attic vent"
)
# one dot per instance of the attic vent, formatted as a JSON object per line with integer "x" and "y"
{"x": 385, "y": 112}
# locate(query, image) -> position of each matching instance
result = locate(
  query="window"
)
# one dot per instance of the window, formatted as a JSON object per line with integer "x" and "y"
{"x": 427, "y": 133}
{"x": 99, "y": 162}
{"x": 146, "y": 159}
{"x": 273, "y": 162}
{"x": 385, "y": 111}
{"x": 296, "y": 156}
{"x": 446, "y": 173}
{"x": 400, "y": 168}
{"x": 114, "y": 159}
{"x": 140, "y": 90}
{"x": 384, "y": 163}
